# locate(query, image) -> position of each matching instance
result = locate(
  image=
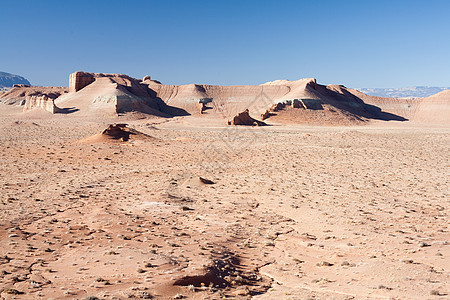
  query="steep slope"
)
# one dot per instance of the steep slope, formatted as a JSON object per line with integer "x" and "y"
{"x": 105, "y": 96}
{"x": 222, "y": 101}
{"x": 400, "y": 106}
{"x": 111, "y": 94}
{"x": 434, "y": 109}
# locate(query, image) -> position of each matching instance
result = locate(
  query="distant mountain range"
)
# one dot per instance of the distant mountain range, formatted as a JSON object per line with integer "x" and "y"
{"x": 7, "y": 80}
{"x": 408, "y": 92}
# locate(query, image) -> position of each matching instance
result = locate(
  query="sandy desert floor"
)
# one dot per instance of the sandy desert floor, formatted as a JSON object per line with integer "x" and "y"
{"x": 293, "y": 212}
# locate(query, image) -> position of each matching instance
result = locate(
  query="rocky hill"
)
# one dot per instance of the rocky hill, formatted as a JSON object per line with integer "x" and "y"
{"x": 303, "y": 101}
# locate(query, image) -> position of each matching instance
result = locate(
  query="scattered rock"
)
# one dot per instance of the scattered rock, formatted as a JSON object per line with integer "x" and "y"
{"x": 324, "y": 264}
{"x": 206, "y": 181}
{"x": 12, "y": 292}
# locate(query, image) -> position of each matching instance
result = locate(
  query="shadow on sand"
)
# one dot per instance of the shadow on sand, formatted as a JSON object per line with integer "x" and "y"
{"x": 67, "y": 110}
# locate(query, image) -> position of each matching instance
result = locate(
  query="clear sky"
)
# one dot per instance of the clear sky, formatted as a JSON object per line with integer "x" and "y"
{"x": 355, "y": 43}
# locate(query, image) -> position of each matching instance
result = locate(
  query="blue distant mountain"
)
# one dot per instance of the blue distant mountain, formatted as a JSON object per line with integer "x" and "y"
{"x": 7, "y": 80}
{"x": 408, "y": 92}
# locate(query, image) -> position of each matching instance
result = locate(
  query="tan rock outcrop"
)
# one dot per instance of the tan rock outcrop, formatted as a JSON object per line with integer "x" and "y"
{"x": 244, "y": 118}
{"x": 43, "y": 102}
{"x": 111, "y": 94}
{"x": 313, "y": 104}
{"x": 265, "y": 115}
{"x": 298, "y": 104}
{"x": 79, "y": 80}
{"x": 201, "y": 107}
{"x": 18, "y": 94}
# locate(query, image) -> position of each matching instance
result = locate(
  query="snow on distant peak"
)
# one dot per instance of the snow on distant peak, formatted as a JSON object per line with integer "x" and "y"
{"x": 407, "y": 92}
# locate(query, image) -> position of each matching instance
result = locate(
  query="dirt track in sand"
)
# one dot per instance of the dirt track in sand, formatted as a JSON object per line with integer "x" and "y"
{"x": 295, "y": 212}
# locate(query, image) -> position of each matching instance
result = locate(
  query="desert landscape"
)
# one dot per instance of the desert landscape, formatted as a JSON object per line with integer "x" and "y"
{"x": 117, "y": 188}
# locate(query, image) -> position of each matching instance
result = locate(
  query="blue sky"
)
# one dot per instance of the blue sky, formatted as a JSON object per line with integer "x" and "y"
{"x": 354, "y": 43}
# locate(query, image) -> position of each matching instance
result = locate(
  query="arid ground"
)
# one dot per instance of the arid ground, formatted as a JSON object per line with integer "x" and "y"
{"x": 201, "y": 210}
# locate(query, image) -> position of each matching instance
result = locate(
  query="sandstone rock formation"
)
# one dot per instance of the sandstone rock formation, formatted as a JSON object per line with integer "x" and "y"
{"x": 118, "y": 131}
{"x": 244, "y": 118}
{"x": 19, "y": 93}
{"x": 79, "y": 80}
{"x": 112, "y": 94}
{"x": 305, "y": 104}
{"x": 45, "y": 102}
{"x": 282, "y": 101}
{"x": 301, "y": 101}
{"x": 265, "y": 115}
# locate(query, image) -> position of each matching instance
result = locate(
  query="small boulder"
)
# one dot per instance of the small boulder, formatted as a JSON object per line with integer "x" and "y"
{"x": 206, "y": 181}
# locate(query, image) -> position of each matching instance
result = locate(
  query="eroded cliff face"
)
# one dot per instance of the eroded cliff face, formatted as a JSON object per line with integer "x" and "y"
{"x": 80, "y": 80}
{"x": 116, "y": 93}
{"x": 228, "y": 101}
{"x": 285, "y": 101}
{"x": 110, "y": 94}
{"x": 43, "y": 102}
